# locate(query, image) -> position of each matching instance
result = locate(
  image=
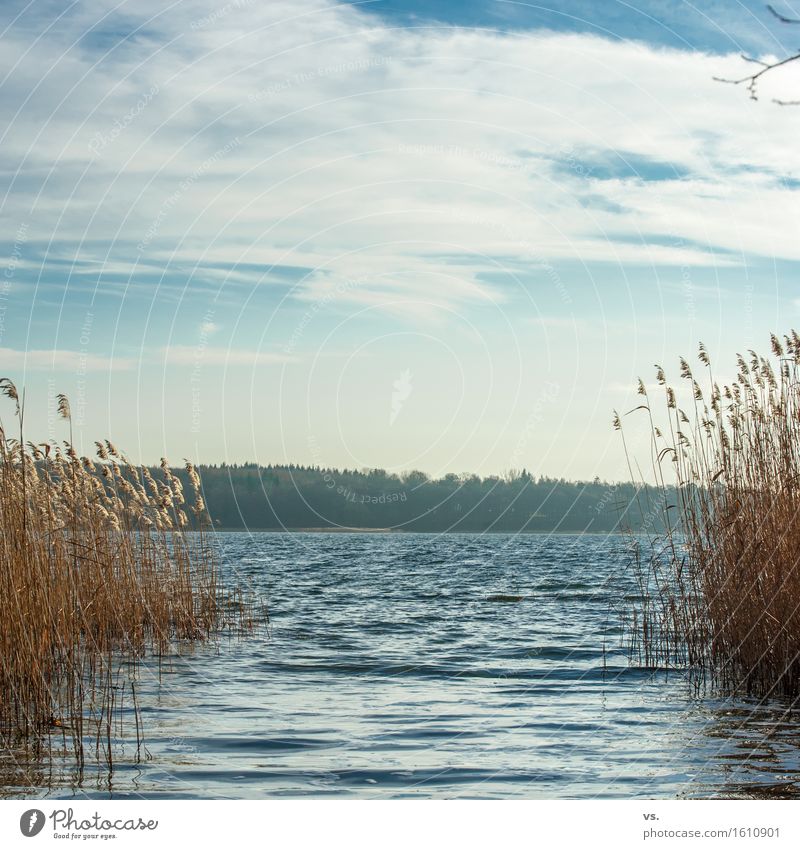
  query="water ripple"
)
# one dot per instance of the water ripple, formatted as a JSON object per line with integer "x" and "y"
{"x": 389, "y": 674}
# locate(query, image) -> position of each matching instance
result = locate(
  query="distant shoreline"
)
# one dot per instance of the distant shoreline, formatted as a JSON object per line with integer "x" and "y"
{"x": 297, "y": 499}
{"x": 402, "y": 531}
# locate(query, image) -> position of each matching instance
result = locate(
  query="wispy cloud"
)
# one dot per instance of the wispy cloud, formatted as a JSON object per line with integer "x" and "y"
{"x": 193, "y": 355}
{"x": 61, "y": 360}
{"x": 79, "y": 362}
{"x": 424, "y": 141}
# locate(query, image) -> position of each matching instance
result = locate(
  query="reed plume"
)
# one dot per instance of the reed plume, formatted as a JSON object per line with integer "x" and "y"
{"x": 720, "y": 592}
{"x": 99, "y": 564}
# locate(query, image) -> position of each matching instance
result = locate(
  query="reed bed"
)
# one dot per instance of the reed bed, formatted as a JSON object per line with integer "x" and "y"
{"x": 100, "y": 563}
{"x": 720, "y": 591}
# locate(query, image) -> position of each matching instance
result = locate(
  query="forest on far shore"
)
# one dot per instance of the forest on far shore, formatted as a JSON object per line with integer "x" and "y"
{"x": 289, "y": 496}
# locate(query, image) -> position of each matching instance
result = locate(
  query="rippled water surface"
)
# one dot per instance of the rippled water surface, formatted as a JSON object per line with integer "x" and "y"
{"x": 394, "y": 668}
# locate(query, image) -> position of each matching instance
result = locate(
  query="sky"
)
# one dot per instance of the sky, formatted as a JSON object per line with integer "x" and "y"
{"x": 445, "y": 236}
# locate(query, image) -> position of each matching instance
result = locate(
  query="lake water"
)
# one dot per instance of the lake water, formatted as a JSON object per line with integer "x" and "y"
{"x": 389, "y": 673}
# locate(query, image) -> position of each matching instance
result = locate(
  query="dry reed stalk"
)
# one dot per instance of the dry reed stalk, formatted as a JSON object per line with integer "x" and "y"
{"x": 99, "y": 563}
{"x": 720, "y": 592}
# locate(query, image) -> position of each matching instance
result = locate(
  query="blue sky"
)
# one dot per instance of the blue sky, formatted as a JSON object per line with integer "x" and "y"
{"x": 445, "y": 236}
{"x": 714, "y": 26}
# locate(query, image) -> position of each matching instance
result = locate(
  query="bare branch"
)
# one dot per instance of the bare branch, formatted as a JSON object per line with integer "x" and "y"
{"x": 752, "y": 59}
{"x": 752, "y": 79}
{"x": 781, "y": 18}
{"x": 766, "y": 67}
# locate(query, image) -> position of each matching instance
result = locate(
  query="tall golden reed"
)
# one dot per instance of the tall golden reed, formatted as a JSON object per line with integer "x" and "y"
{"x": 721, "y": 591}
{"x": 99, "y": 563}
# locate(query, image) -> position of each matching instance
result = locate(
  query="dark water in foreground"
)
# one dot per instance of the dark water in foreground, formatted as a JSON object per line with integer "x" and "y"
{"x": 389, "y": 673}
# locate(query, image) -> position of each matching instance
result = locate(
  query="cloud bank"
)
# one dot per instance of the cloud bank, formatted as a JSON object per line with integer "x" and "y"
{"x": 417, "y": 160}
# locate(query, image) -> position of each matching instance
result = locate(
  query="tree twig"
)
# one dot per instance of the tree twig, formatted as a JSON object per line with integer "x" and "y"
{"x": 766, "y": 67}
{"x": 781, "y": 18}
{"x": 752, "y": 79}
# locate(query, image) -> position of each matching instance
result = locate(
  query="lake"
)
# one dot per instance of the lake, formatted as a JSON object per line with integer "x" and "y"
{"x": 393, "y": 669}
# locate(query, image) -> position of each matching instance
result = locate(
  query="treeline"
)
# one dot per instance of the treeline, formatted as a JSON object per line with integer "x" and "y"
{"x": 275, "y": 497}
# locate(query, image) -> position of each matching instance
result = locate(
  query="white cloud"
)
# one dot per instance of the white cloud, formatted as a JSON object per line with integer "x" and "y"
{"x": 415, "y": 158}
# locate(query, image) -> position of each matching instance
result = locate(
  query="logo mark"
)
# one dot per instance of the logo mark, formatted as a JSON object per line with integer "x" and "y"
{"x": 31, "y": 822}
{"x": 401, "y": 390}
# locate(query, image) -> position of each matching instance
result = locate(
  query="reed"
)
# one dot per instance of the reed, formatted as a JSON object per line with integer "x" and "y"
{"x": 720, "y": 591}
{"x": 100, "y": 563}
